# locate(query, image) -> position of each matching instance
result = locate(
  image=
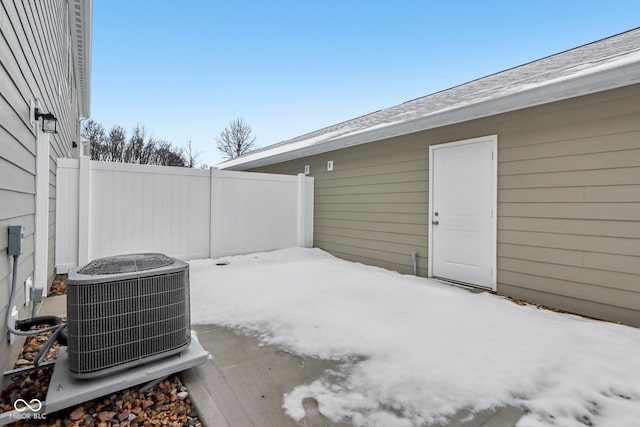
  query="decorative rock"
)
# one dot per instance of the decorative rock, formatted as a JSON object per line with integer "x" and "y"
{"x": 22, "y": 362}
{"x": 147, "y": 403}
{"x": 77, "y": 414}
{"x": 183, "y": 395}
{"x": 59, "y": 285}
{"x": 106, "y": 416}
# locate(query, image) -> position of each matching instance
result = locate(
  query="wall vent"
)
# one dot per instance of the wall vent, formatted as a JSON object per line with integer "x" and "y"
{"x": 126, "y": 310}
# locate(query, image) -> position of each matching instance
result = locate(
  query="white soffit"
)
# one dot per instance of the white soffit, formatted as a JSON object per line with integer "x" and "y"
{"x": 81, "y": 21}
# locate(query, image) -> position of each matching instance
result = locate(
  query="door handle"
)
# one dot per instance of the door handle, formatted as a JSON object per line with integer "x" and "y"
{"x": 436, "y": 222}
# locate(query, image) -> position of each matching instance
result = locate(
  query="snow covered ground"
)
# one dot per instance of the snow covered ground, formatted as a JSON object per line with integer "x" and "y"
{"x": 416, "y": 350}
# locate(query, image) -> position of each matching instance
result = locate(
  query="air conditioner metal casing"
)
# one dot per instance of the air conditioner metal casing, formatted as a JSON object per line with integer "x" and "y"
{"x": 135, "y": 313}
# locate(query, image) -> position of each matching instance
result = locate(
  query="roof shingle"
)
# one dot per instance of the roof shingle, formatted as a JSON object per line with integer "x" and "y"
{"x": 615, "y": 51}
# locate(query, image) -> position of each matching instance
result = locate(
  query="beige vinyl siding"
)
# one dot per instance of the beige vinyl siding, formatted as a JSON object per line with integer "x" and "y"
{"x": 34, "y": 64}
{"x": 568, "y": 201}
{"x": 372, "y": 207}
{"x": 569, "y": 206}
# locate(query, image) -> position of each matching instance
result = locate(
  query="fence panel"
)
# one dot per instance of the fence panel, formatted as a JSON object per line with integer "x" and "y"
{"x": 67, "y": 181}
{"x": 115, "y": 208}
{"x": 259, "y": 212}
{"x": 141, "y": 208}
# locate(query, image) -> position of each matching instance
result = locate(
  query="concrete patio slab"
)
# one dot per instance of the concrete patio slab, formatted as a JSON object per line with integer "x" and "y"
{"x": 244, "y": 381}
{"x": 53, "y": 306}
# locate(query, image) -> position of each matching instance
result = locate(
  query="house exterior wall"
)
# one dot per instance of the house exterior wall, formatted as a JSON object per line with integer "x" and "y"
{"x": 36, "y": 63}
{"x": 568, "y": 202}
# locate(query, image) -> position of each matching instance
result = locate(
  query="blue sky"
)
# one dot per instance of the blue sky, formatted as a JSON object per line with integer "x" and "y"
{"x": 184, "y": 69}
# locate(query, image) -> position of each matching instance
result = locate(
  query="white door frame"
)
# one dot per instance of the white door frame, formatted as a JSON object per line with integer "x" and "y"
{"x": 494, "y": 204}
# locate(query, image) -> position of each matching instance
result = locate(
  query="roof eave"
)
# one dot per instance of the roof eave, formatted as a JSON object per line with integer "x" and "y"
{"x": 81, "y": 21}
{"x": 624, "y": 74}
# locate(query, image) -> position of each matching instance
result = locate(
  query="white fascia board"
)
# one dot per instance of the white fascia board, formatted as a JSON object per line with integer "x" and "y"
{"x": 620, "y": 73}
{"x": 81, "y": 24}
{"x": 88, "y": 46}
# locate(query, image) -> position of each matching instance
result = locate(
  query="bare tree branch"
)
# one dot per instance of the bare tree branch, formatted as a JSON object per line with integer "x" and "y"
{"x": 192, "y": 157}
{"x": 94, "y": 132}
{"x": 137, "y": 149}
{"x": 236, "y": 139}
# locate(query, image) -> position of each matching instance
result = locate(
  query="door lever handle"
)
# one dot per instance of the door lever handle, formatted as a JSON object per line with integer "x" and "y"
{"x": 436, "y": 222}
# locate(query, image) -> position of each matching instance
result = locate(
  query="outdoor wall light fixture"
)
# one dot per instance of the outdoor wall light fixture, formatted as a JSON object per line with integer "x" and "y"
{"x": 49, "y": 121}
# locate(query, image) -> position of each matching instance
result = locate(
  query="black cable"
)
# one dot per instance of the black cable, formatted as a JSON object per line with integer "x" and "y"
{"x": 44, "y": 350}
{"x": 27, "y": 324}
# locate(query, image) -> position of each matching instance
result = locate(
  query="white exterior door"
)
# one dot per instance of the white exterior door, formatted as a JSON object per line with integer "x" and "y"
{"x": 462, "y": 223}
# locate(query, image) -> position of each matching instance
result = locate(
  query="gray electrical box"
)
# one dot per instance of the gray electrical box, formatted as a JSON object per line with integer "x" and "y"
{"x": 16, "y": 234}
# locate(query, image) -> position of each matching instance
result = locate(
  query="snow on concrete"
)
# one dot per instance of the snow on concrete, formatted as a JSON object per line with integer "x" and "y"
{"x": 416, "y": 350}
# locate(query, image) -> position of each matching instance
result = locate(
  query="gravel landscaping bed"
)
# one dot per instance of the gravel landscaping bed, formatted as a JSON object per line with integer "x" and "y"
{"x": 165, "y": 404}
{"x": 59, "y": 285}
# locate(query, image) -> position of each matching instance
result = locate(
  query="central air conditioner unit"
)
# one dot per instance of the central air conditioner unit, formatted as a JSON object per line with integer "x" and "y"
{"x": 126, "y": 310}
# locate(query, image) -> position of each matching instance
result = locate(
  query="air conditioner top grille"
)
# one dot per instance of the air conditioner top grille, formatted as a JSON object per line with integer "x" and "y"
{"x": 129, "y": 263}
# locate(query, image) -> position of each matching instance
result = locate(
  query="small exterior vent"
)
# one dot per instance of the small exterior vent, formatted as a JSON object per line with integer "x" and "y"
{"x": 126, "y": 310}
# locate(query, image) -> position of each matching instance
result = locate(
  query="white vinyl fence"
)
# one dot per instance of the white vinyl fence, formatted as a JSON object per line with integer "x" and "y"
{"x": 108, "y": 209}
